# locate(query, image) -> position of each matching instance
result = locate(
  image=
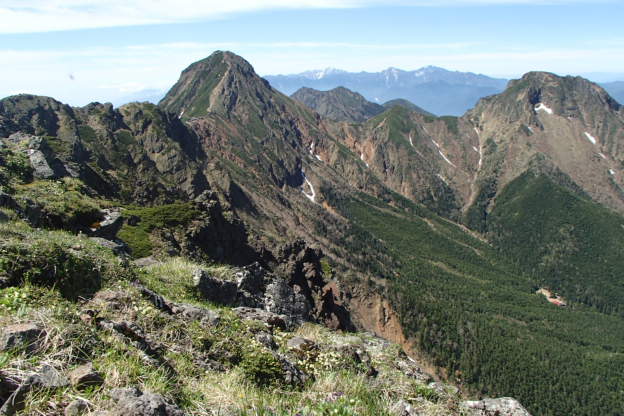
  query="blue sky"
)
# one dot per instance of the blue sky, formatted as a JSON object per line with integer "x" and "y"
{"x": 85, "y": 50}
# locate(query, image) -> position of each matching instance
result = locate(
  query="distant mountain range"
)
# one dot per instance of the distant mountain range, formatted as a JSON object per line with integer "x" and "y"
{"x": 437, "y": 90}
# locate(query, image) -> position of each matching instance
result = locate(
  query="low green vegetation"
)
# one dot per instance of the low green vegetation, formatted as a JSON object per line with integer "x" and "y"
{"x": 148, "y": 219}
{"x": 64, "y": 203}
{"x": 76, "y": 266}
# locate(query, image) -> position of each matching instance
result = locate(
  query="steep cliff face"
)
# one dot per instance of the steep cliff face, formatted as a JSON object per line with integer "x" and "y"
{"x": 567, "y": 123}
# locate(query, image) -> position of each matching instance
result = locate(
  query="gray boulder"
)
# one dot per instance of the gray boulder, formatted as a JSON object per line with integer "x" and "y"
{"x": 280, "y": 298}
{"x": 250, "y": 283}
{"x": 267, "y": 340}
{"x": 291, "y": 373}
{"x": 15, "y": 402}
{"x": 133, "y": 402}
{"x": 50, "y": 377}
{"x": 39, "y": 163}
{"x": 214, "y": 290}
{"x": 25, "y": 336}
{"x": 504, "y": 406}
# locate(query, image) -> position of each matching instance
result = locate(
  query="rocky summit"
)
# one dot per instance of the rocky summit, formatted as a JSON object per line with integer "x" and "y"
{"x": 234, "y": 251}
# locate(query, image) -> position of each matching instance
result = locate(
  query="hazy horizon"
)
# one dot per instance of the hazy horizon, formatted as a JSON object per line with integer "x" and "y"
{"x": 80, "y": 51}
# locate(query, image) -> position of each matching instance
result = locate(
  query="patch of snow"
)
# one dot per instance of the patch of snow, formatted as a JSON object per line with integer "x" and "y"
{"x": 477, "y": 131}
{"x": 181, "y": 113}
{"x": 362, "y": 158}
{"x": 602, "y": 155}
{"x": 436, "y": 143}
{"x": 530, "y": 129}
{"x": 318, "y": 157}
{"x": 377, "y": 99}
{"x": 410, "y": 139}
{"x": 611, "y": 171}
{"x": 312, "y": 195}
{"x": 442, "y": 177}
{"x": 446, "y": 159}
{"x": 475, "y": 149}
{"x": 311, "y": 148}
{"x": 543, "y": 107}
{"x": 591, "y": 138}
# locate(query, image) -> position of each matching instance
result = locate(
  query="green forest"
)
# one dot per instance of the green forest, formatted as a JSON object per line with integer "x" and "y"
{"x": 473, "y": 309}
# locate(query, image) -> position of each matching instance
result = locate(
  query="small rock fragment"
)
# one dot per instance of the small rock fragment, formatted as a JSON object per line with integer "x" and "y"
{"x": 77, "y": 408}
{"x": 504, "y": 406}
{"x": 85, "y": 376}
{"x": 133, "y": 402}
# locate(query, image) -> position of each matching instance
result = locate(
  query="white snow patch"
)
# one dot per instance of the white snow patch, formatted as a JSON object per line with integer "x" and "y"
{"x": 362, "y": 158}
{"x": 602, "y": 155}
{"x": 530, "y": 129}
{"x": 611, "y": 171}
{"x": 436, "y": 143}
{"x": 543, "y": 107}
{"x": 443, "y": 178}
{"x": 410, "y": 139}
{"x": 590, "y": 138}
{"x": 181, "y": 113}
{"x": 475, "y": 149}
{"x": 312, "y": 195}
{"x": 446, "y": 158}
{"x": 477, "y": 131}
{"x": 311, "y": 148}
{"x": 318, "y": 157}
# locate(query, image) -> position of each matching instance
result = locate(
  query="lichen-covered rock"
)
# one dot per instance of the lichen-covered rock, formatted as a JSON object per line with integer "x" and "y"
{"x": 300, "y": 346}
{"x": 134, "y": 402}
{"x": 272, "y": 320}
{"x": 282, "y": 299}
{"x": 291, "y": 373}
{"x": 50, "y": 377}
{"x": 504, "y": 406}
{"x": 251, "y": 285}
{"x": 267, "y": 340}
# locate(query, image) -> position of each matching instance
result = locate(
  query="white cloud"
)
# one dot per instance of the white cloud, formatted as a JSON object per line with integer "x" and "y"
{"x": 26, "y": 16}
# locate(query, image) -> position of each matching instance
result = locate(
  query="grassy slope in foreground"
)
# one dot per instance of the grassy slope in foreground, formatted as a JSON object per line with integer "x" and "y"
{"x": 478, "y": 317}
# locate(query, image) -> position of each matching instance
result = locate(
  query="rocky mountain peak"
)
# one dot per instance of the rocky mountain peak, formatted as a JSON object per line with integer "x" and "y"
{"x": 216, "y": 84}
